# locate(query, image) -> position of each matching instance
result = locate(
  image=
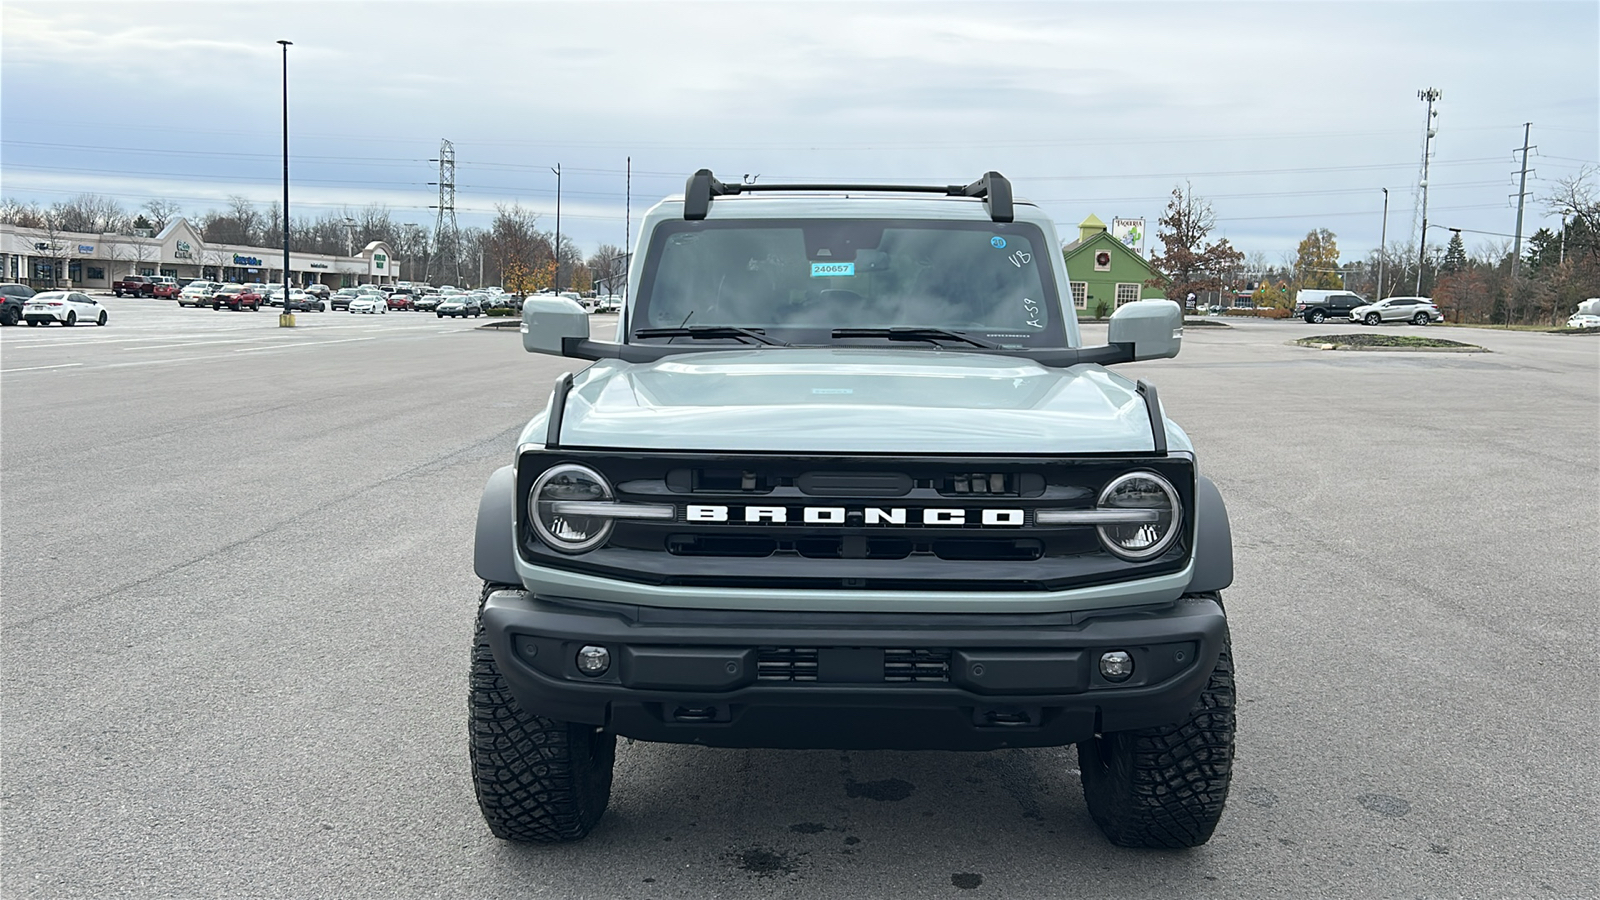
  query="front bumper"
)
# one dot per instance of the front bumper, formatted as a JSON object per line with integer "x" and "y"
{"x": 853, "y": 680}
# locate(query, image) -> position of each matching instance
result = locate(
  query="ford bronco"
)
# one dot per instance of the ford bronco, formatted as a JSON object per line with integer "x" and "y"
{"x": 846, "y": 476}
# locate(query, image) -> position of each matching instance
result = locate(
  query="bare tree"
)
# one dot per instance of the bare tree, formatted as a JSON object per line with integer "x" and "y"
{"x": 160, "y": 212}
{"x": 1191, "y": 264}
{"x": 89, "y": 214}
{"x": 23, "y": 215}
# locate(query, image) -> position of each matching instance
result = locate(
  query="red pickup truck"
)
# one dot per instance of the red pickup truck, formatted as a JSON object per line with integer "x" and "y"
{"x": 146, "y": 286}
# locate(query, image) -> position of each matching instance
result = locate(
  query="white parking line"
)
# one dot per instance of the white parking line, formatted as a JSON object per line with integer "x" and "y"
{"x": 38, "y": 368}
{"x": 301, "y": 344}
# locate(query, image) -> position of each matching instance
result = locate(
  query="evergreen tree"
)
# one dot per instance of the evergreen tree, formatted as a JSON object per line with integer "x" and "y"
{"x": 1455, "y": 255}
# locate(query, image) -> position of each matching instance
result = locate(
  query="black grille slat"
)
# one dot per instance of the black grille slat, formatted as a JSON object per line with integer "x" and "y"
{"x": 901, "y": 665}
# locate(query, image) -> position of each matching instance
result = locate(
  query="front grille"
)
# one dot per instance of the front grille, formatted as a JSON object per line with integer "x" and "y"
{"x": 786, "y": 664}
{"x": 858, "y": 523}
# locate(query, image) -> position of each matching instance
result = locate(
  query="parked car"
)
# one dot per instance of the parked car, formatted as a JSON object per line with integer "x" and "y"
{"x": 12, "y": 298}
{"x": 425, "y": 302}
{"x": 462, "y": 305}
{"x": 320, "y": 291}
{"x": 67, "y": 307}
{"x": 236, "y": 297}
{"x": 301, "y": 301}
{"x": 341, "y": 298}
{"x": 197, "y": 293}
{"x": 369, "y": 303}
{"x": 610, "y": 303}
{"x": 1416, "y": 310}
{"x": 1583, "y": 320}
{"x": 1317, "y": 306}
{"x": 401, "y": 300}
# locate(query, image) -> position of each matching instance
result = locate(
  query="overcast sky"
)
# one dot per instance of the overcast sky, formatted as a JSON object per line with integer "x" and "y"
{"x": 1285, "y": 116}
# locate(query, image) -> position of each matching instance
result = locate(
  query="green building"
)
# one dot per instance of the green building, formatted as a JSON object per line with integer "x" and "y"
{"x": 1103, "y": 269}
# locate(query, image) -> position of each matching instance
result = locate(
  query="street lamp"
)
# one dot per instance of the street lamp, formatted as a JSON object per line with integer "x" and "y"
{"x": 557, "y": 278}
{"x": 286, "y": 318}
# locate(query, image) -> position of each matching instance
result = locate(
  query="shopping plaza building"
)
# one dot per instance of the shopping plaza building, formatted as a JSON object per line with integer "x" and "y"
{"x": 42, "y": 258}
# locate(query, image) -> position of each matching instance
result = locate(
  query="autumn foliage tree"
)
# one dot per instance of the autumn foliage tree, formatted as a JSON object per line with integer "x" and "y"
{"x": 1190, "y": 263}
{"x": 1316, "y": 263}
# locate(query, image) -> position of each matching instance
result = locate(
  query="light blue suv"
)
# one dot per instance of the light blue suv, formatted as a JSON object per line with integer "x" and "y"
{"x": 846, "y": 476}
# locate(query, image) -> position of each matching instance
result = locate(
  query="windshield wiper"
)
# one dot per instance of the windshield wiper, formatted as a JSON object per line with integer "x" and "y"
{"x": 710, "y": 331}
{"x": 914, "y": 333}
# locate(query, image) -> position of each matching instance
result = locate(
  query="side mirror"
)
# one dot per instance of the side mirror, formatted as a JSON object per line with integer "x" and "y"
{"x": 1153, "y": 327}
{"x": 548, "y": 321}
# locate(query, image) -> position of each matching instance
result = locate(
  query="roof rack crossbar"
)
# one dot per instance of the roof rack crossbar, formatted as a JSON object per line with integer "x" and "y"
{"x": 993, "y": 188}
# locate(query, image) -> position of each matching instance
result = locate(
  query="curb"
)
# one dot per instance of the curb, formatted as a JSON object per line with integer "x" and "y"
{"x": 500, "y": 325}
{"x": 1359, "y": 349}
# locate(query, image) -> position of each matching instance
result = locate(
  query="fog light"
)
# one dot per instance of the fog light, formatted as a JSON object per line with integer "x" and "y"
{"x": 594, "y": 661}
{"x": 1115, "y": 666}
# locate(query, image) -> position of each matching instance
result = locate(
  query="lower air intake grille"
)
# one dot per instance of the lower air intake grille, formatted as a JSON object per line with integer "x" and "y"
{"x": 916, "y": 665}
{"x": 786, "y": 664}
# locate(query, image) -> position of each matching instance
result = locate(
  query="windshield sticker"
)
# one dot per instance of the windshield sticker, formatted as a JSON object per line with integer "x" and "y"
{"x": 1020, "y": 258}
{"x": 997, "y": 242}
{"x": 829, "y": 269}
{"x": 1035, "y": 312}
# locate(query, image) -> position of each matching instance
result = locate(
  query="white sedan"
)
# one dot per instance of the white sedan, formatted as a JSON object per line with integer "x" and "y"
{"x": 67, "y": 307}
{"x": 367, "y": 303}
{"x": 1582, "y": 320}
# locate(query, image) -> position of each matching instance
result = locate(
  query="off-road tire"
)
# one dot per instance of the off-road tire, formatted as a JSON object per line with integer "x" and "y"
{"x": 537, "y": 780}
{"x": 1164, "y": 787}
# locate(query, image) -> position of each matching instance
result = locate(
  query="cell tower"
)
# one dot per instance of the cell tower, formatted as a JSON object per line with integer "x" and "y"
{"x": 1429, "y": 96}
{"x": 445, "y": 260}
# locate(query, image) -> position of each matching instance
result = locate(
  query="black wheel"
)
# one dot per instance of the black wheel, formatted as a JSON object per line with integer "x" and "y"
{"x": 216, "y": 307}
{"x": 1165, "y": 787}
{"x": 102, "y": 319}
{"x": 1372, "y": 319}
{"x": 72, "y": 318}
{"x": 441, "y": 315}
{"x": 1420, "y": 318}
{"x": 10, "y": 316}
{"x": 1316, "y": 317}
{"x": 537, "y": 780}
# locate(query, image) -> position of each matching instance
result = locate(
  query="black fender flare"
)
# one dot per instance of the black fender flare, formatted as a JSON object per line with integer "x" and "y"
{"x": 1213, "y": 542}
{"x": 494, "y": 551}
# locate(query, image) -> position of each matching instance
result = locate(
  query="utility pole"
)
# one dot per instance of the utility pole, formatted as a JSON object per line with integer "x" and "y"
{"x": 1431, "y": 96}
{"x": 1522, "y": 196}
{"x": 286, "y": 318}
{"x": 627, "y": 230}
{"x": 1383, "y": 245}
{"x": 446, "y": 233}
{"x": 557, "y": 278}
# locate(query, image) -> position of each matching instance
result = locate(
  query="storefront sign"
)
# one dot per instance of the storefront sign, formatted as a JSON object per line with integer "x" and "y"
{"x": 182, "y": 251}
{"x": 1130, "y": 232}
{"x": 86, "y": 249}
{"x": 380, "y": 259}
{"x": 245, "y": 260}
{"x": 319, "y": 265}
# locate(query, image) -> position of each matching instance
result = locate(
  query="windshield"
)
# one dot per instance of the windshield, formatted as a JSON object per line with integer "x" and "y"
{"x": 805, "y": 278}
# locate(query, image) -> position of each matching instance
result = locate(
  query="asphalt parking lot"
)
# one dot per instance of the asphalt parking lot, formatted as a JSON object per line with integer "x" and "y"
{"x": 238, "y": 602}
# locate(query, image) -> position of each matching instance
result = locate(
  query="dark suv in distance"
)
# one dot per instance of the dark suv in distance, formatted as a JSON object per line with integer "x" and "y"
{"x": 1317, "y": 306}
{"x": 11, "y": 300}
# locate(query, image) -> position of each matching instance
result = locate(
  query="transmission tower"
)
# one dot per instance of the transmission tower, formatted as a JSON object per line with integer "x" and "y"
{"x": 1522, "y": 196}
{"x": 445, "y": 260}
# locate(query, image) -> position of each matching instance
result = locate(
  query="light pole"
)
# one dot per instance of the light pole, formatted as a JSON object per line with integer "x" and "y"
{"x": 1383, "y": 244}
{"x": 286, "y": 318}
{"x": 557, "y": 278}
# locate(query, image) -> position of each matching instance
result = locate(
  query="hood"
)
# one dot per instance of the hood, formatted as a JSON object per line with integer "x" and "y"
{"x": 855, "y": 401}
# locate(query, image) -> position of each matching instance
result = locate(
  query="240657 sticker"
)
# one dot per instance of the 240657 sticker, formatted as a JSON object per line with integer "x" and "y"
{"x": 829, "y": 269}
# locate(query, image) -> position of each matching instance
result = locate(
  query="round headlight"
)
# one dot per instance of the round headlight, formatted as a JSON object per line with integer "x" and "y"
{"x": 1141, "y": 491}
{"x": 565, "y": 532}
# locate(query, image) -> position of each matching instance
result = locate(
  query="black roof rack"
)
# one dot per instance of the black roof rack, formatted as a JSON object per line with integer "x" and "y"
{"x": 992, "y": 187}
